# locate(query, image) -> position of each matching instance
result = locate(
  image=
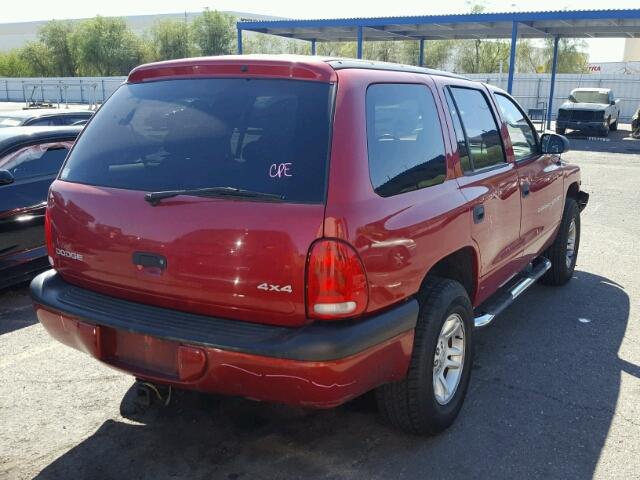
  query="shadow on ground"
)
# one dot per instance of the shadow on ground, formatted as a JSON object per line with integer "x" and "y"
{"x": 619, "y": 141}
{"x": 16, "y": 310}
{"x": 541, "y": 402}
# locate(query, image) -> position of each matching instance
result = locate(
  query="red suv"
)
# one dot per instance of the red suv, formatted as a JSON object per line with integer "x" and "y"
{"x": 304, "y": 230}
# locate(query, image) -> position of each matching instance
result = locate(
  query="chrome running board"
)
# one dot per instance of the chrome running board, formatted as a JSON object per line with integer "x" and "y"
{"x": 493, "y": 308}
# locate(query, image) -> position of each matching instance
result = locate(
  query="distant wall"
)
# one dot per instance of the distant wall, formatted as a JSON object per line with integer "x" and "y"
{"x": 531, "y": 90}
{"x": 58, "y": 89}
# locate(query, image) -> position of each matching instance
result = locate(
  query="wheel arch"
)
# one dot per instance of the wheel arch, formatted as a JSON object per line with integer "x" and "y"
{"x": 461, "y": 265}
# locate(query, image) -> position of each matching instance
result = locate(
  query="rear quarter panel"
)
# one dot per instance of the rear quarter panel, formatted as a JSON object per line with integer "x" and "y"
{"x": 399, "y": 238}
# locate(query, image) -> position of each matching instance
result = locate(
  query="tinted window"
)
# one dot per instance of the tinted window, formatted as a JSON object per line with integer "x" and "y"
{"x": 266, "y": 135}
{"x": 72, "y": 119}
{"x": 43, "y": 122}
{"x": 523, "y": 137}
{"x": 404, "y": 138}
{"x": 463, "y": 153}
{"x": 35, "y": 160}
{"x": 480, "y": 127}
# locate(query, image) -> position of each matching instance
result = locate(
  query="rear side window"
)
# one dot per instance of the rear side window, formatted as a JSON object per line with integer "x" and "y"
{"x": 35, "y": 160}
{"x": 484, "y": 145}
{"x": 404, "y": 139}
{"x": 265, "y": 135}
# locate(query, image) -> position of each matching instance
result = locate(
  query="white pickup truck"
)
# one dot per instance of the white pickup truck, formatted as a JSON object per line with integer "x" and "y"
{"x": 594, "y": 109}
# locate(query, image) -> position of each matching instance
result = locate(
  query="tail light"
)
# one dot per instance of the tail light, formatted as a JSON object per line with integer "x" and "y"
{"x": 336, "y": 281}
{"x": 48, "y": 235}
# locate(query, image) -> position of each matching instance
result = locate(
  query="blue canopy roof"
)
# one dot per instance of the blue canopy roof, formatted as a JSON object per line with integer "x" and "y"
{"x": 566, "y": 23}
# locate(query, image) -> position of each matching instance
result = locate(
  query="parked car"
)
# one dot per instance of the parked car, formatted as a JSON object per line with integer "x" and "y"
{"x": 635, "y": 124}
{"x": 591, "y": 109}
{"x": 233, "y": 239}
{"x": 29, "y": 161}
{"x": 43, "y": 117}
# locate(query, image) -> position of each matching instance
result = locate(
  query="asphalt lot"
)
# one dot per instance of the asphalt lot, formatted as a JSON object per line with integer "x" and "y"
{"x": 555, "y": 392}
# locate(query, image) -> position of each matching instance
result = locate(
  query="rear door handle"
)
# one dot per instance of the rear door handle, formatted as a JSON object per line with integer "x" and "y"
{"x": 478, "y": 213}
{"x": 525, "y": 189}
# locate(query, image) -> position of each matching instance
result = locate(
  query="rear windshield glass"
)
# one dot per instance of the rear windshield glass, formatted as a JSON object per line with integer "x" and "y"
{"x": 9, "y": 122}
{"x": 265, "y": 135}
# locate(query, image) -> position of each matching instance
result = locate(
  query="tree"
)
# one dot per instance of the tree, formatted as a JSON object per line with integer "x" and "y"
{"x": 437, "y": 53}
{"x": 572, "y": 57}
{"x": 57, "y": 35}
{"x": 11, "y": 65}
{"x": 170, "y": 39}
{"x": 213, "y": 32}
{"x": 37, "y": 58}
{"x": 482, "y": 56}
{"x": 106, "y": 46}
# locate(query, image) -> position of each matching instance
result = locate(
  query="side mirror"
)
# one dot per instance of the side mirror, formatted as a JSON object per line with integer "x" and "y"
{"x": 554, "y": 143}
{"x": 5, "y": 177}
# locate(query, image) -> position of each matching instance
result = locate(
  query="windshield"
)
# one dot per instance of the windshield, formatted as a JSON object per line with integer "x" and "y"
{"x": 10, "y": 122}
{"x": 263, "y": 135}
{"x": 591, "y": 97}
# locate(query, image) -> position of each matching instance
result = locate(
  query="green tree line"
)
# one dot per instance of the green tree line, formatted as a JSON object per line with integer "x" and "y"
{"x": 107, "y": 46}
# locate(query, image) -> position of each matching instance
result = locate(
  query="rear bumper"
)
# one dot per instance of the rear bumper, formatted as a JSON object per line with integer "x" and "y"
{"x": 319, "y": 365}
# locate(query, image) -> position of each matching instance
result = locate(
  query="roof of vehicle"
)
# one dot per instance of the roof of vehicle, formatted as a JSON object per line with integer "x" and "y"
{"x": 10, "y": 136}
{"x": 41, "y": 112}
{"x": 291, "y": 66}
{"x": 594, "y": 89}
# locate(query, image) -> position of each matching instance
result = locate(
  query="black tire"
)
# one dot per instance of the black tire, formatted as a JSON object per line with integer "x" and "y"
{"x": 561, "y": 131}
{"x": 614, "y": 126}
{"x": 411, "y": 404}
{"x": 560, "y": 273}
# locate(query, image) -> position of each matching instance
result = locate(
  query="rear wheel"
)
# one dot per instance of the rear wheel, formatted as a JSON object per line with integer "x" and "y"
{"x": 563, "y": 252}
{"x": 429, "y": 399}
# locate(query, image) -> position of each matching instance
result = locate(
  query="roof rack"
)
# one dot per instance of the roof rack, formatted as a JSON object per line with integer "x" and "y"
{"x": 339, "y": 64}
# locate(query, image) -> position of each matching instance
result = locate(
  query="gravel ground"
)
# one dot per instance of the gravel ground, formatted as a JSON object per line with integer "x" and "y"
{"x": 555, "y": 392}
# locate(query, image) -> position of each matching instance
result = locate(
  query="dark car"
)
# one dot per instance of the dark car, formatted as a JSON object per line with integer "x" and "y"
{"x": 43, "y": 117}
{"x": 635, "y": 124}
{"x": 30, "y": 158}
{"x": 304, "y": 230}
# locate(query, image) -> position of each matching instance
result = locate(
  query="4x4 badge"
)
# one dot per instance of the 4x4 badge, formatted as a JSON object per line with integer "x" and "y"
{"x": 275, "y": 288}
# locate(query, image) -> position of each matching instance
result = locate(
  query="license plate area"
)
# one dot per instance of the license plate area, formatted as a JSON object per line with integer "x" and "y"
{"x": 140, "y": 353}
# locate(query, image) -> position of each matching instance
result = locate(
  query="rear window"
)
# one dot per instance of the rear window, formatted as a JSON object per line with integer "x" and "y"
{"x": 10, "y": 122}
{"x": 270, "y": 136}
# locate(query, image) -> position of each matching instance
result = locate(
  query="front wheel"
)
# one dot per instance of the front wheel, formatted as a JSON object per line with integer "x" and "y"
{"x": 561, "y": 131}
{"x": 429, "y": 399}
{"x": 563, "y": 252}
{"x": 614, "y": 126}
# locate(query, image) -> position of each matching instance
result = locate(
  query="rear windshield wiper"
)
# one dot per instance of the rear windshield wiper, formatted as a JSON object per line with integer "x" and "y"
{"x": 154, "y": 197}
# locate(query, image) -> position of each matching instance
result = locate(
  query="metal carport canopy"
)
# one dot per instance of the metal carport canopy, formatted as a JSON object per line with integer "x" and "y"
{"x": 548, "y": 24}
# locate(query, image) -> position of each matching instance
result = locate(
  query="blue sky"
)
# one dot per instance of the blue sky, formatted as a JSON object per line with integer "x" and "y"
{"x": 599, "y": 50}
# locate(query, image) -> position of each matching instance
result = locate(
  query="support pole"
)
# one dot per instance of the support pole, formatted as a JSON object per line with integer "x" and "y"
{"x": 554, "y": 68}
{"x": 313, "y": 47}
{"x": 512, "y": 57}
{"x": 421, "y": 54}
{"x": 359, "y": 49}
{"x": 239, "y": 41}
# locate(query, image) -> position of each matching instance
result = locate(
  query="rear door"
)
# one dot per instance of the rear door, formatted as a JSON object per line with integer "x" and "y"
{"x": 22, "y": 203}
{"x": 540, "y": 178}
{"x": 489, "y": 182}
